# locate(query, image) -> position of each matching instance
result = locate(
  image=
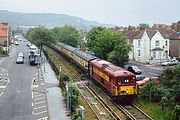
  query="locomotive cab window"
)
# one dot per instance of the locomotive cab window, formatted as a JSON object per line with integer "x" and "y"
{"x": 126, "y": 80}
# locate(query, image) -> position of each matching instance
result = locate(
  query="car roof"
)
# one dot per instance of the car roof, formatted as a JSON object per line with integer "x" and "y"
{"x": 19, "y": 58}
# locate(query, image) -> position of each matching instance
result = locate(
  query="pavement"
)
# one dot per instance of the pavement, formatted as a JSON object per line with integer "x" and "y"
{"x": 55, "y": 100}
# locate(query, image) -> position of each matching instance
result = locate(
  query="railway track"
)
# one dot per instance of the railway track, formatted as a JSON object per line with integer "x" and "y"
{"x": 98, "y": 106}
{"x": 98, "y": 102}
{"x": 126, "y": 112}
{"x": 134, "y": 112}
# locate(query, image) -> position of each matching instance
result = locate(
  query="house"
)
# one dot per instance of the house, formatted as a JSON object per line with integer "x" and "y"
{"x": 151, "y": 46}
{"x": 175, "y": 43}
{"x": 130, "y": 34}
{"x": 4, "y": 35}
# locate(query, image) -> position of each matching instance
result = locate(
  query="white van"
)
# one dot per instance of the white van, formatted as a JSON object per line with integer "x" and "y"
{"x": 16, "y": 43}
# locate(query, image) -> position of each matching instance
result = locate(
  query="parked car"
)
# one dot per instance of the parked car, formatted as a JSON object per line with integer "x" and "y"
{"x": 170, "y": 62}
{"x": 16, "y": 43}
{"x": 19, "y": 60}
{"x": 20, "y": 54}
{"x": 142, "y": 80}
{"x": 134, "y": 69}
{"x": 28, "y": 44}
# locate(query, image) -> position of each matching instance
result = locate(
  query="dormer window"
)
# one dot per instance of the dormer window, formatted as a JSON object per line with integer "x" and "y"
{"x": 157, "y": 42}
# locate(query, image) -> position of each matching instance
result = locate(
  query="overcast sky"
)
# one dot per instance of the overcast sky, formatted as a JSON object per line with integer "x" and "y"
{"x": 117, "y": 12}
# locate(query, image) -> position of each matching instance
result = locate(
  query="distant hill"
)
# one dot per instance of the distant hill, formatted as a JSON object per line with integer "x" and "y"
{"x": 45, "y": 19}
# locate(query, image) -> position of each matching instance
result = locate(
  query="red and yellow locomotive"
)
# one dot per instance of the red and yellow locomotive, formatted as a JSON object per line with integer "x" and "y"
{"x": 118, "y": 82}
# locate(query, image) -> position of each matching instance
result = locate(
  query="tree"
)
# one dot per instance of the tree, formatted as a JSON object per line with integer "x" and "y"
{"x": 170, "y": 79}
{"x": 40, "y": 36}
{"x": 92, "y": 35}
{"x": 144, "y": 25}
{"x": 109, "y": 45}
{"x": 120, "y": 53}
{"x": 67, "y": 35}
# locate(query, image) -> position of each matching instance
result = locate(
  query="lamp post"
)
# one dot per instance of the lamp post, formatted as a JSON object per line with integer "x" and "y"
{"x": 7, "y": 40}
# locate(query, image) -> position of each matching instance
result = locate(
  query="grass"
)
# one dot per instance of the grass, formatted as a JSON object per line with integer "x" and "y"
{"x": 154, "y": 110}
{"x": 89, "y": 115}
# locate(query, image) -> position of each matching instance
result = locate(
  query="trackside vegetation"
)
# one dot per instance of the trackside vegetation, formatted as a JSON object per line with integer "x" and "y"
{"x": 165, "y": 96}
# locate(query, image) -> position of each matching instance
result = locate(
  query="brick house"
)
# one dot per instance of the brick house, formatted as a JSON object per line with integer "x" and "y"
{"x": 174, "y": 39}
{"x": 4, "y": 35}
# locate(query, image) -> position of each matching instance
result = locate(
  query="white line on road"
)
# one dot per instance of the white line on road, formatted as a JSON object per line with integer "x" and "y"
{"x": 39, "y": 102}
{"x": 40, "y": 107}
{"x": 39, "y": 95}
{"x": 1, "y": 93}
{"x": 40, "y": 112}
{"x": 44, "y": 118}
{"x": 32, "y": 95}
{"x": 39, "y": 98}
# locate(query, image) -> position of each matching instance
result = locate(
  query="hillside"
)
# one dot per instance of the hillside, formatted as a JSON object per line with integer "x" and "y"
{"x": 45, "y": 19}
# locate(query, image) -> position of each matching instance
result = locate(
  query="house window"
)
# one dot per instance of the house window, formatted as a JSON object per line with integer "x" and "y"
{"x": 157, "y": 42}
{"x": 139, "y": 42}
{"x": 154, "y": 54}
{"x": 166, "y": 43}
{"x": 139, "y": 53}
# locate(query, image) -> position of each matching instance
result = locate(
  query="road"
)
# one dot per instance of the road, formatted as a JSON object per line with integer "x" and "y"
{"x": 148, "y": 70}
{"x": 16, "y": 101}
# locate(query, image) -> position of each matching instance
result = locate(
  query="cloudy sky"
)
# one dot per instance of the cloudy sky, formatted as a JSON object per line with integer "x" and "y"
{"x": 118, "y": 12}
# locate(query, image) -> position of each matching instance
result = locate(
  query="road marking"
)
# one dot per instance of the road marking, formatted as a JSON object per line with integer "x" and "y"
{"x": 39, "y": 102}
{"x": 44, "y": 118}
{"x": 39, "y": 98}
{"x": 32, "y": 104}
{"x": 32, "y": 95}
{"x": 40, "y": 107}
{"x": 35, "y": 86}
{"x": 39, "y": 95}
{"x": 1, "y": 93}
{"x": 3, "y": 87}
{"x": 40, "y": 112}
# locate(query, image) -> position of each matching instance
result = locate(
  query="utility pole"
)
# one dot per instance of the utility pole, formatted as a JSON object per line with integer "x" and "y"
{"x": 68, "y": 99}
{"x": 7, "y": 39}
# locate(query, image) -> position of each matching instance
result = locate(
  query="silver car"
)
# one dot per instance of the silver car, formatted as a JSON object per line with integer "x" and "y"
{"x": 19, "y": 60}
{"x": 170, "y": 62}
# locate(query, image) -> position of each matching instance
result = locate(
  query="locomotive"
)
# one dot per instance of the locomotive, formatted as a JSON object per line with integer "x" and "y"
{"x": 118, "y": 83}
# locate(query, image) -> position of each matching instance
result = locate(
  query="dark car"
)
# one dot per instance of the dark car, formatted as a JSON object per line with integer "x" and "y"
{"x": 134, "y": 69}
{"x": 19, "y": 60}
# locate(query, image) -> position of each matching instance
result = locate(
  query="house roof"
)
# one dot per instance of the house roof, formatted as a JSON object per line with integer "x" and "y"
{"x": 138, "y": 36}
{"x": 131, "y": 34}
{"x": 166, "y": 32}
{"x": 175, "y": 36}
{"x": 2, "y": 32}
{"x": 151, "y": 32}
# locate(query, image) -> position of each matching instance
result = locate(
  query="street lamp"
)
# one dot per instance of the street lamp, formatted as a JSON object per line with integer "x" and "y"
{"x": 7, "y": 40}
